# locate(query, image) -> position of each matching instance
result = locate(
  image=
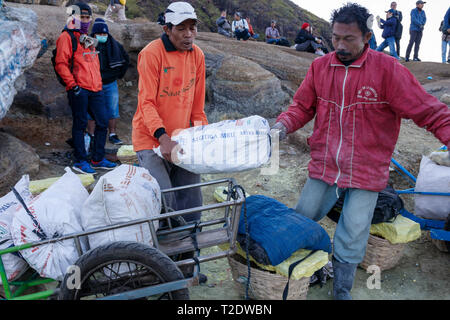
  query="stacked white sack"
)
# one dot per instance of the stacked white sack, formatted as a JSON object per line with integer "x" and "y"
{"x": 124, "y": 194}
{"x": 14, "y": 265}
{"x": 225, "y": 146}
{"x": 56, "y": 212}
{"x": 432, "y": 178}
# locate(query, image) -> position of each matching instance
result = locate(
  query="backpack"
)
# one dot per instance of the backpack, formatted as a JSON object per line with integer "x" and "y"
{"x": 284, "y": 42}
{"x": 441, "y": 27}
{"x": 74, "y": 48}
{"x": 388, "y": 206}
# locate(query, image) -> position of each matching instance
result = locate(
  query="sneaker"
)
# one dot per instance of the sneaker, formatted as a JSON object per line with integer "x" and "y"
{"x": 104, "y": 164}
{"x": 83, "y": 167}
{"x": 416, "y": 59}
{"x": 114, "y": 139}
{"x": 406, "y": 59}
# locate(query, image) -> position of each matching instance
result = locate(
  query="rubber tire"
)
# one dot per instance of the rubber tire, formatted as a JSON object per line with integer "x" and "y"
{"x": 126, "y": 250}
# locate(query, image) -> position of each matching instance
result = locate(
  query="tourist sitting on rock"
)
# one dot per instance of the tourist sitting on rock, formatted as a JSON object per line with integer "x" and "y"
{"x": 253, "y": 35}
{"x": 272, "y": 33}
{"x": 239, "y": 27}
{"x": 305, "y": 41}
{"x": 114, "y": 62}
{"x": 223, "y": 25}
{"x": 80, "y": 72}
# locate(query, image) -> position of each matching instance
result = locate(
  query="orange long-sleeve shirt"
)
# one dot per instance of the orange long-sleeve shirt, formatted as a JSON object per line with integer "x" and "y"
{"x": 171, "y": 91}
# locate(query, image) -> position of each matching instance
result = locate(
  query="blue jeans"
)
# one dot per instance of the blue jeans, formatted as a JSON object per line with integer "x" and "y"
{"x": 270, "y": 41}
{"x": 391, "y": 43}
{"x": 352, "y": 231}
{"x": 111, "y": 94}
{"x": 94, "y": 104}
{"x": 445, "y": 44}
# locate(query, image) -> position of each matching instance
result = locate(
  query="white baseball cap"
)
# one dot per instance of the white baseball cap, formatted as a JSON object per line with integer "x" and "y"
{"x": 177, "y": 12}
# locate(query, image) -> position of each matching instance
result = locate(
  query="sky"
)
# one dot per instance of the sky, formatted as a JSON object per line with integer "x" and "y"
{"x": 430, "y": 47}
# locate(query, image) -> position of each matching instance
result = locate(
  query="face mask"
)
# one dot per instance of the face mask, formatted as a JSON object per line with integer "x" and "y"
{"x": 84, "y": 27}
{"x": 101, "y": 39}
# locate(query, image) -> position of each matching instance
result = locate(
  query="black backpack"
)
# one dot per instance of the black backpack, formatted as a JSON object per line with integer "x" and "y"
{"x": 389, "y": 205}
{"x": 74, "y": 48}
{"x": 398, "y": 30}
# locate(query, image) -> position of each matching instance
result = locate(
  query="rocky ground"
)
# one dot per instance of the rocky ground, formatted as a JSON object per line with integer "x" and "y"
{"x": 40, "y": 119}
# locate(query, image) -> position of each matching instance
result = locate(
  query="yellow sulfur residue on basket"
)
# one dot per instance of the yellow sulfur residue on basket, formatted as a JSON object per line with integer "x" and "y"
{"x": 401, "y": 230}
{"x": 305, "y": 268}
{"x": 39, "y": 186}
{"x": 126, "y": 151}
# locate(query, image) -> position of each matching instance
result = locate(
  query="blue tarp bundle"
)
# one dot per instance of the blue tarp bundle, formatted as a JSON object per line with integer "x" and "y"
{"x": 281, "y": 230}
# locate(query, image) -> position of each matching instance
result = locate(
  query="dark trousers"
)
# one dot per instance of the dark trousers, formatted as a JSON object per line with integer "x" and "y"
{"x": 244, "y": 34}
{"x": 415, "y": 38}
{"x": 397, "y": 46}
{"x": 94, "y": 104}
{"x": 308, "y": 46}
{"x": 168, "y": 176}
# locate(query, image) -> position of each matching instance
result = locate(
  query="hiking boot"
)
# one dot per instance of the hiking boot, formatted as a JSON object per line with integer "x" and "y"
{"x": 343, "y": 277}
{"x": 114, "y": 139}
{"x": 83, "y": 167}
{"x": 103, "y": 164}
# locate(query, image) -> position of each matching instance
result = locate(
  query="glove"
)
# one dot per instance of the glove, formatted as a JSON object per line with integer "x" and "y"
{"x": 280, "y": 129}
{"x": 76, "y": 90}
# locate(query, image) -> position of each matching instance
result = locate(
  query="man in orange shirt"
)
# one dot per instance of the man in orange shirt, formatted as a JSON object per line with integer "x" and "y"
{"x": 171, "y": 97}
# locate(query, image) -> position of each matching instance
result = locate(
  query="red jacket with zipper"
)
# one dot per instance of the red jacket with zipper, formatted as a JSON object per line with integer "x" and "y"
{"x": 86, "y": 65}
{"x": 358, "y": 112}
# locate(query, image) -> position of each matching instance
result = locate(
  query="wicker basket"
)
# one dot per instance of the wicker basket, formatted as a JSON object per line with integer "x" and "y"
{"x": 128, "y": 159}
{"x": 265, "y": 285}
{"x": 441, "y": 245}
{"x": 382, "y": 253}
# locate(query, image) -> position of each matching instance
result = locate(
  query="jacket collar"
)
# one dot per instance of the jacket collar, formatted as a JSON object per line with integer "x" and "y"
{"x": 335, "y": 62}
{"x": 168, "y": 45}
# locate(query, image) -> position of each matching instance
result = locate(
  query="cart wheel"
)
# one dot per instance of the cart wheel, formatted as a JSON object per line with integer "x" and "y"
{"x": 120, "y": 267}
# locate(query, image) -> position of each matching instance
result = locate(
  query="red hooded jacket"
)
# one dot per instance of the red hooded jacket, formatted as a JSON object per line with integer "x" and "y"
{"x": 358, "y": 112}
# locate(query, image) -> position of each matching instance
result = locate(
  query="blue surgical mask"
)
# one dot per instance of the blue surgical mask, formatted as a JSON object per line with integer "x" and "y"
{"x": 101, "y": 39}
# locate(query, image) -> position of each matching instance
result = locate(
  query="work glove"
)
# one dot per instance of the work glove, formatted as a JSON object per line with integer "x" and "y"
{"x": 280, "y": 129}
{"x": 76, "y": 90}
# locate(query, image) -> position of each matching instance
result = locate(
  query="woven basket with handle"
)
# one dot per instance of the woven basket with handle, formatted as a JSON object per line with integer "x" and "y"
{"x": 382, "y": 253}
{"x": 265, "y": 285}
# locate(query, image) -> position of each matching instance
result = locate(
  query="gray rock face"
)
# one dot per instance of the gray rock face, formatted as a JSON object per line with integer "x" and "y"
{"x": 16, "y": 159}
{"x": 19, "y": 46}
{"x": 240, "y": 86}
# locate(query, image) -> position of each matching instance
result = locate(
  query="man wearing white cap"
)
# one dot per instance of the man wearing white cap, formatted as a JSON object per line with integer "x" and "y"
{"x": 171, "y": 97}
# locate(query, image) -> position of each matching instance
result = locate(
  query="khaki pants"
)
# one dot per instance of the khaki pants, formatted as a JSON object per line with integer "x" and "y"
{"x": 119, "y": 10}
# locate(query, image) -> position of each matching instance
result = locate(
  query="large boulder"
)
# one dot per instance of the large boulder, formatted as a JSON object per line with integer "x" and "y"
{"x": 16, "y": 159}
{"x": 19, "y": 47}
{"x": 240, "y": 86}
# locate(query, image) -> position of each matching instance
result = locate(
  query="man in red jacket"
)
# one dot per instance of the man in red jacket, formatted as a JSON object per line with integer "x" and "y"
{"x": 358, "y": 97}
{"x": 80, "y": 71}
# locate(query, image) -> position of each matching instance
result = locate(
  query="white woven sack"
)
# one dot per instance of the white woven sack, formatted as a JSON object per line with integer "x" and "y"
{"x": 14, "y": 264}
{"x": 225, "y": 146}
{"x": 432, "y": 178}
{"x": 124, "y": 194}
{"x": 56, "y": 212}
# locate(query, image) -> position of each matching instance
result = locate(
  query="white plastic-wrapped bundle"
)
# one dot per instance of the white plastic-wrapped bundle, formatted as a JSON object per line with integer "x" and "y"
{"x": 124, "y": 194}
{"x": 432, "y": 178}
{"x": 13, "y": 262}
{"x": 225, "y": 146}
{"x": 54, "y": 213}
